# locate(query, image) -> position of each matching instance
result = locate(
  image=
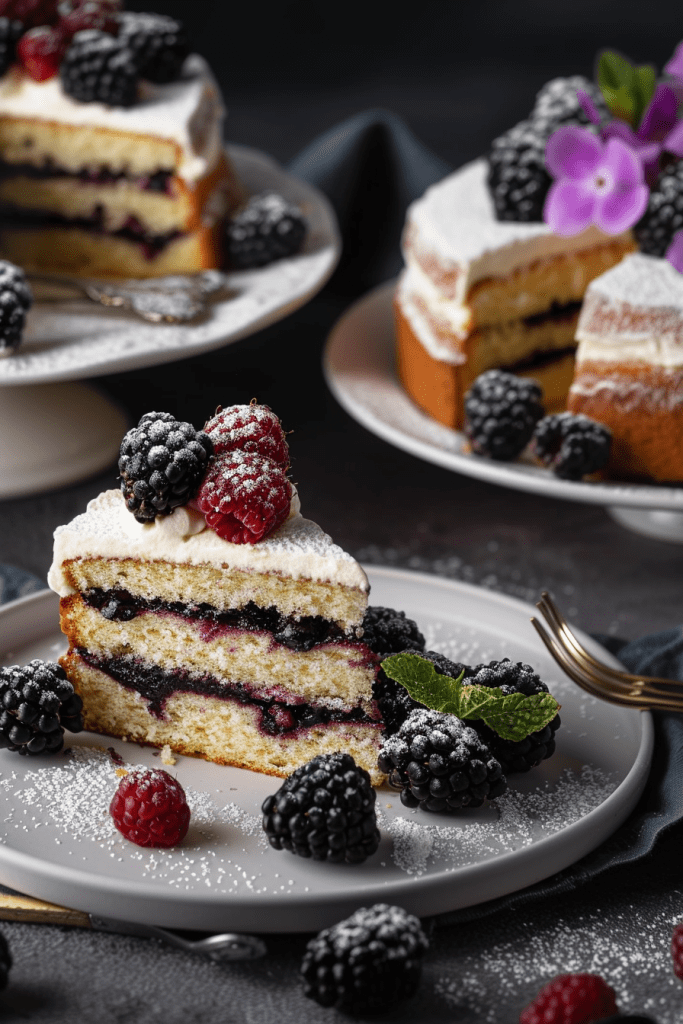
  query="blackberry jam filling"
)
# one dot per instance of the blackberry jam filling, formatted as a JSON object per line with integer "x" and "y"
{"x": 159, "y": 181}
{"x": 298, "y": 634}
{"x": 132, "y": 230}
{"x": 276, "y": 718}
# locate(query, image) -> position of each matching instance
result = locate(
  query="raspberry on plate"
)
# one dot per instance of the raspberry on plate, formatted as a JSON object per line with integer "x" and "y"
{"x": 150, "y": 809}
{"x": 244, "y": 497}
{"x": 571, "y": 999}
{"x": 677, "y": 950}
{"x": 249, "y": 428}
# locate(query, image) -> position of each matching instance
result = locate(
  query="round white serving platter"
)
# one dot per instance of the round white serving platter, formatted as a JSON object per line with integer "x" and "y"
{"x": 359, "y": 366}
{"x": 73, "y": 340}
{"x": 225, "y": 877}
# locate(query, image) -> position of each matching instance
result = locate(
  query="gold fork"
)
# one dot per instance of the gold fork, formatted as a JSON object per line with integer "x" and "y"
{"x": 599, "y": 679}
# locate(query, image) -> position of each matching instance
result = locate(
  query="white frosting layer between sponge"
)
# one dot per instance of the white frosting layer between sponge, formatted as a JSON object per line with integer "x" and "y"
{"x": 299, "y": 549}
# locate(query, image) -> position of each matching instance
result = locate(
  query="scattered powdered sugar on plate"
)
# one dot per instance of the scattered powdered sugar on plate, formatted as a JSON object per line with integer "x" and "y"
{"x": 512, "y": 821}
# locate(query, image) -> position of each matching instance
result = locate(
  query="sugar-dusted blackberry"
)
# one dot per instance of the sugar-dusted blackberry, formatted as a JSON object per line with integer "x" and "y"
{"x": 15, "y": 301}
{"x": 159, "y": 43}
{"x": 5, "y": 961}
{"x": 558, "y": 103}
{"x": 501, "y": 411}
{"x": 161, "y": 463}
{"x": 440, "y": 764}
{"x": 37, "y": 703}
{"x": 100, "y": 68}
{"x": 663, "y": 217}
{"x": 368, "y": 963}
{"x": 517, "y": 177}
{"x": 10, "y": 33}
{"x": 572, "y": 445}
{"x": 514, "y": 677}
{"x": 324, "y": 810}
{"x": 387, "y": 631}
{"x": 268, "y": 228}
{"x": 394, "y": 701}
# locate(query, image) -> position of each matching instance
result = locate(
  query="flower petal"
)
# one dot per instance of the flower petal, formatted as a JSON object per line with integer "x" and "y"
{"x": 588, "y": 106}
{"x": 618, "y": 129}
{"x": 572, "y": 152}
{"x": 622, "y": 164}
{"x": 673, "y": 143}
{"x": 674, "y": 254}
{"x": 660, "y": 115}
{"x": 620, "y": 209}
{"x": 568, "y": 207}
{"x": 675, "y": 65}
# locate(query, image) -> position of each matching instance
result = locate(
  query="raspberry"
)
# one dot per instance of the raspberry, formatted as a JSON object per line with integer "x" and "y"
{"x": 40, "y": 51}
{"x": 30, "y": 12}
{"x": 571, "y": 999}
{"x": 251, "y": 429}
{"x": 93, "y": 14}
{"x": 149, "y": 808}
{"x": 677, "y": 950}
{"x": 244, "y": 497}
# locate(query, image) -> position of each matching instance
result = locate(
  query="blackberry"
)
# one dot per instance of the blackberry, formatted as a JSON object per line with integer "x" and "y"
{"x": 517, "y": 177}
{"x": 387, "y": 631}
{"x": 15, "y": 301}
{"x": 162, "y": 462}
{"x": 324, "y": 810}
{"x": 368, "y": 963}
{"x": 572, "y": 446}
{"x": 38, "y": 702}
{"x": 268, "y": 228}
{"x": 394, "y": 701}
{"x": 5, "y": 961}
{"x": 557, "y": 102}
{"x": 501, "y": 411}
{"x": 100, "y": 68}
{"x": 440, "y": 764}
{"x": 10, "y": 33}
{"x": 158, "y": 43}
{"x": 514, "y": 677}
{"x": 663, "y": 217}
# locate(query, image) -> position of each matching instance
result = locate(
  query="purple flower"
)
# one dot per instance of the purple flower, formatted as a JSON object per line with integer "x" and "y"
{"x": 675, "y": 65}
{"x": 597, "y": 182}
{"x": 674, "y": 254}
{"x": 658, "y": 130}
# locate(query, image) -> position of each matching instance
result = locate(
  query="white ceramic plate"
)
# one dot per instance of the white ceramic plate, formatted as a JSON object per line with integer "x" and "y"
{"x": 57, "y": 842}
{"x": 359, "y": 365}
{"x": 73, "y": 340}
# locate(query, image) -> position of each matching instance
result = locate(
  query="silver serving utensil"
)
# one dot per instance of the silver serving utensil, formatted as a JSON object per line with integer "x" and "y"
{"x": 176, "y": 299}
{"x": 225, "y": 946}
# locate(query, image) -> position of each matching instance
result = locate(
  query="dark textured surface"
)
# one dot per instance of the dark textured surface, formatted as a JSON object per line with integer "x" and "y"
{"x": 459, "y": 74}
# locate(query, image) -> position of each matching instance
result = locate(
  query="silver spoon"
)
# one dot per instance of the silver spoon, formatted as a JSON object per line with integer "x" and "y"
{"x": 226, "y": 946}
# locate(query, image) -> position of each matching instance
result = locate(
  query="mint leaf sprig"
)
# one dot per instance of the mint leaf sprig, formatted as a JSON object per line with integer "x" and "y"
{"x": 627, "y": 89}
{"x": 512, "y": 716}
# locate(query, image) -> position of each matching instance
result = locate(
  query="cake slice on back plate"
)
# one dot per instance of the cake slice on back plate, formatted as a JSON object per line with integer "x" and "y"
{"x": 246, "y": 651}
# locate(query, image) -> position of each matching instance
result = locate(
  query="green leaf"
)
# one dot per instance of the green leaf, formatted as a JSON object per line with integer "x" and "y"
{"x": 513, "y": 717}
{"x": 614, "y": 71}
{"x": 627, "y": 89}
{"x": 644, "y": 89}
{"x": 622, "y": 103}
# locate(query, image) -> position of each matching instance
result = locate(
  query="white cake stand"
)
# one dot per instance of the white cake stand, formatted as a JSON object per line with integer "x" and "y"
{"x": 54, "y": 431}
{"x": 359, "y": 366}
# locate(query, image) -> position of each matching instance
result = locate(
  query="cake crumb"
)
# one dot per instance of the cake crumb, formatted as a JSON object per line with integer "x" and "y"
{"x": 120, "y": 772}
{"x": 167, "y": 755}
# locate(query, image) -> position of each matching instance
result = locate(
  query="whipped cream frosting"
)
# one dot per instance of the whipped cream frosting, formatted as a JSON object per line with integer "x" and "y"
{"x": 633, "y": 313}
{"x": 453, "y": 228}
{"x": 188, "y": 112}
{"x": 417, "y": 292}
{"x": 299, "y": 549}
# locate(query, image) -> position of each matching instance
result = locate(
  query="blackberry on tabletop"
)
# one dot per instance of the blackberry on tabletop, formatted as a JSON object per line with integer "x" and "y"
{"x": 324, "y": 810}
{"x": 368, "y": 963}
{"x": 100, "y": 68}
{"x": 37, "y": 702}
{"x": 514, "y": 677}
{"x": 517, "y": 177}
{"x": 440, "y": 764}
{"x": 5, "y": 961}
{"x": 664, "y": 214}
{"x": 557, "y": 103}
{"x": 268, "y": 228}
{"x": 158, "y": 42}
{"x": 501, "y": 411}
{"x": 161, "y": 465}
{"x": 573, "y": 446}
{"x": 10, "y": 33}
{"x": 15, "y": 301}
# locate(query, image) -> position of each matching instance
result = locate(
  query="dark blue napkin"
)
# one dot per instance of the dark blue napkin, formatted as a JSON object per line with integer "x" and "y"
{"x": 16, "y": 583}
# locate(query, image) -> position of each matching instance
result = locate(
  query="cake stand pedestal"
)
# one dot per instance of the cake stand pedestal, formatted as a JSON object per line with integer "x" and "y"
{"x": 661, "y": 524}
{"x": 55, "y": 434}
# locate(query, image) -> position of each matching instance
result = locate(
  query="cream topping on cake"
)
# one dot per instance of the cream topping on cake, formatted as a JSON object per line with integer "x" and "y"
{"x": 454, "y": 226}
{"x": 415, "y": 293}
{"x": 188, "y": 112}
{"x": 299, "y": 549}
{"x": 633, "y": 313}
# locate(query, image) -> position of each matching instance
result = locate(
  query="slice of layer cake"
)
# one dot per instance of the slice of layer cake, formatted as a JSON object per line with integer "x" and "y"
{"x": 629, "y": 369}
{"x": 479, "y": 293}
{"x": 247, "y": 654}
{"x": 135, "y": 185}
